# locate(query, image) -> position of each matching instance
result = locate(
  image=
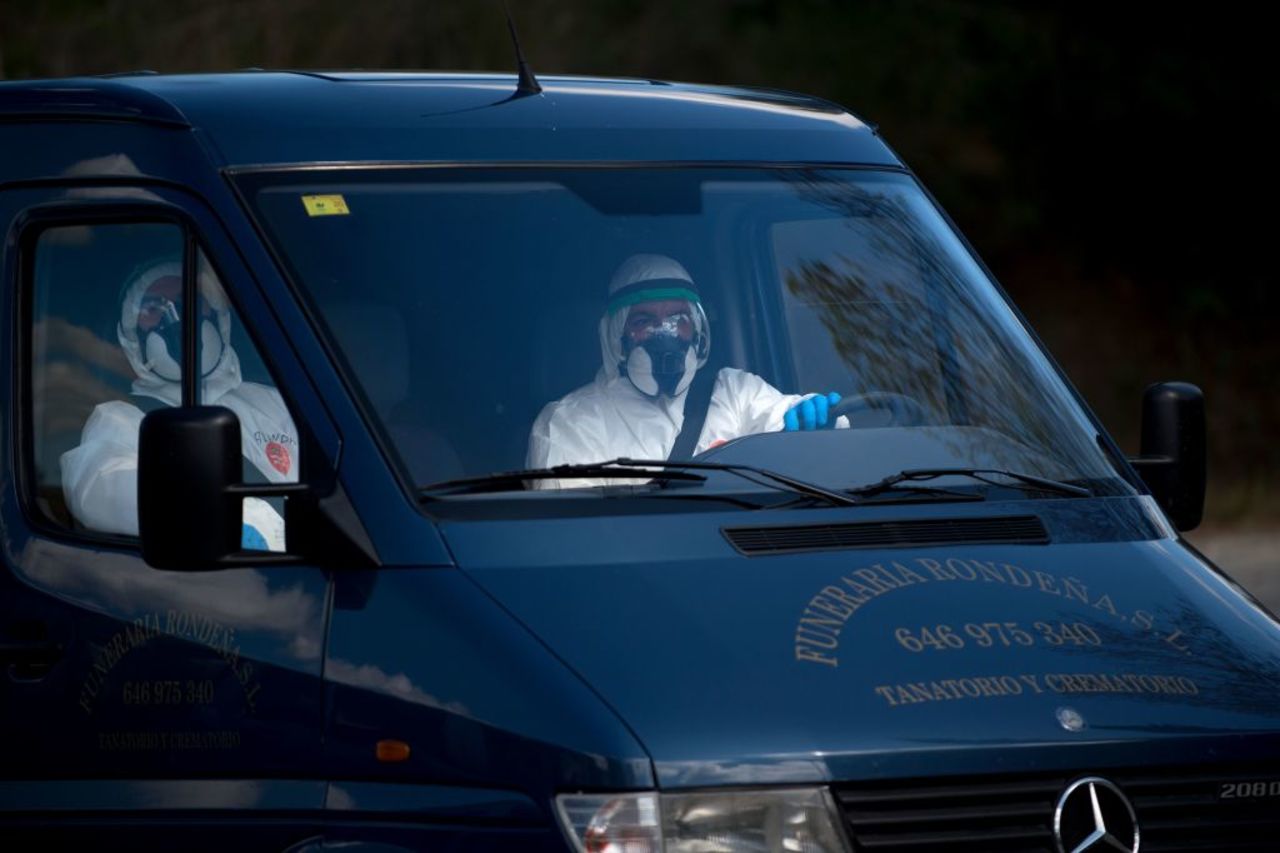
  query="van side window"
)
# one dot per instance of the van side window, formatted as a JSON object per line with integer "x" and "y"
{"x": 106, "y": 348}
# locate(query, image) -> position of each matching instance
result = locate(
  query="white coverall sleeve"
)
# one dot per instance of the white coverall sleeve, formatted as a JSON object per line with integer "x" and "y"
{"x": 263, "y": 518}
{"x": 100, "y": 477}
{"x": 565, "y": 435}
{"x": 744, "y": 404}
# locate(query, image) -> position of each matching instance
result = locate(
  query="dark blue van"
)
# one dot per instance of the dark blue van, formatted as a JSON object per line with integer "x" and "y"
{"x": 410, "y": 462}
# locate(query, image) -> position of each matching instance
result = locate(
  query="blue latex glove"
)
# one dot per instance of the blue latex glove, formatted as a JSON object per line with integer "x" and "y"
{"x": 252, "y": 540}
{"x": 811, "y": 413}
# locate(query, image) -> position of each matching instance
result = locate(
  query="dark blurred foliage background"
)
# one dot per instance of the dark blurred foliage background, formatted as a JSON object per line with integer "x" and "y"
{"x": 1113, "y": 163}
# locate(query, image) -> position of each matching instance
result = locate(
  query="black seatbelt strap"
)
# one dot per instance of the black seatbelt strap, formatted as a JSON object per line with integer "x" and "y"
{"x": 696, "y": 403}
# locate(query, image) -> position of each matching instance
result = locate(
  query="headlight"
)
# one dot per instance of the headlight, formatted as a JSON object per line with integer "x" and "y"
{"x": 791, "y": 820}
{"x": 612, "y": 823}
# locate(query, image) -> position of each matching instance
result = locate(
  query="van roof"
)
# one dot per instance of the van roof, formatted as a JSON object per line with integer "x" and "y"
{"x": 276, "y": 118}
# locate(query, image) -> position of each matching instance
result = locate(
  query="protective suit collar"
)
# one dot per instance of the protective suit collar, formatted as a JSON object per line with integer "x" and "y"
{"x": 224, "y": 378}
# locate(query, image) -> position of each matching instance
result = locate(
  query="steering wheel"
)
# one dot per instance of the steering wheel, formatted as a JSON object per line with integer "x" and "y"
{"x": 869, "y": 410}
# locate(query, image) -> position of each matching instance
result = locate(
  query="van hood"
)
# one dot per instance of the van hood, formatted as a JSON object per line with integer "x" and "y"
{"x": 864, "y": 663}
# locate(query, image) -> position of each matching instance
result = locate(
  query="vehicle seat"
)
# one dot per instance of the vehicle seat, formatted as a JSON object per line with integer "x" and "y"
{"x": 565, "y": 351}
{"x": 376, "y": 345}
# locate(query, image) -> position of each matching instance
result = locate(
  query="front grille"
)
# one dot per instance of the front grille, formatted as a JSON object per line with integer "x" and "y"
{"x": 789, "y": 539}
{"x": 1177, "y": 809}
{"x": 956, "y": 815}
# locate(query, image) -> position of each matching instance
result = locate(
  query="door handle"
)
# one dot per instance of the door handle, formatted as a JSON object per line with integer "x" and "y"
{"x": 28, "y": 659}
{"x": 29, "y": 651}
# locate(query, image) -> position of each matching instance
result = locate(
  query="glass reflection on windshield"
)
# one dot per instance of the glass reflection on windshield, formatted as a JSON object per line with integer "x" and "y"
{"x": 500, "y": 319}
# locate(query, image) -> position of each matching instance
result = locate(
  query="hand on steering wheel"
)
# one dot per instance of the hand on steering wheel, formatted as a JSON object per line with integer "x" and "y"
{"x": 811, "y": 413}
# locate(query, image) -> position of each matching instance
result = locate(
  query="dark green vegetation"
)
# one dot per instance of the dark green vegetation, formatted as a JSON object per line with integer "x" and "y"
{"x": 1112, "y": 163}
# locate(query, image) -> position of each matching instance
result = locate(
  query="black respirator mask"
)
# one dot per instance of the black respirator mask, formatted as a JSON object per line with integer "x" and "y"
{"x": 663, "y": 363}
{"x": 162, "y": 344}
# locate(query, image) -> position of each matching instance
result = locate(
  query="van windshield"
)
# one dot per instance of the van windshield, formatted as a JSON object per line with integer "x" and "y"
{"x": 507, "y": 318}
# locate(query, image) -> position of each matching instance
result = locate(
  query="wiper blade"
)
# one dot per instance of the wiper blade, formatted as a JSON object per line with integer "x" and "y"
{"x": 661, "y": 470}
{"x": 1025, "y": 481}
{"x": 912, "y": 490}
{"x": 747, "y": 472}
{"x": 511, "y": 480}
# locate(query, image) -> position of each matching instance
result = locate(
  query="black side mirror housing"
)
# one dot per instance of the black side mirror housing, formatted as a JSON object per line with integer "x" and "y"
{"x": 191, "y": 498}
{"x": 188, "y": 460}
{"x": 1174, "y": 450}
{"x": 191, "y": 501}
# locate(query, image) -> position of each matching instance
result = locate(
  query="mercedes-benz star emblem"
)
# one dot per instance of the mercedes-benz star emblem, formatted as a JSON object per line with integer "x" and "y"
{"x": 1094, "y": 815}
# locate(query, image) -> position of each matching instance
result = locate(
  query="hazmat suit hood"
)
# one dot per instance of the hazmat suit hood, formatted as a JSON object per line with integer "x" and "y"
{"x": 220, "y": 379}
{"x": 646, "y": 278}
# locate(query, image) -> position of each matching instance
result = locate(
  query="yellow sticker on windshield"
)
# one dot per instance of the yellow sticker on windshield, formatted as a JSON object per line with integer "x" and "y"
{"x": 325, "y": 205}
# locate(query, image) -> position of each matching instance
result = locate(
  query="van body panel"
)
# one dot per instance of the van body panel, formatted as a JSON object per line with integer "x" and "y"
{"x": 275, "y": 118}
{"x": 477, "y": 698}
{"x": 272, "y": 814}
{"x": 709, "y": 655}
{"x": 72, "y": 151}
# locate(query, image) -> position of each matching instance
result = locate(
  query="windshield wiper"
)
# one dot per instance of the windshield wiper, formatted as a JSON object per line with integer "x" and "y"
{"x": 903, "y": 492}
{"x": 510, "y": 480}
{"x": 747, "y": 472}
{"x": 1028, "y": 482}
{"x": 663, "y": 471}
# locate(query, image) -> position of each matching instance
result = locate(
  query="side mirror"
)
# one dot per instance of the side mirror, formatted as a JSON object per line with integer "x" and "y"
{"x": 187, "y": 460}
{"x": 1173, "y": 450}
{"x": 190, "y": 508}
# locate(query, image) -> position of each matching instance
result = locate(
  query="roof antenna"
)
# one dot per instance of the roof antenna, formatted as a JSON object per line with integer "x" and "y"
{"x": 527, "y": 84}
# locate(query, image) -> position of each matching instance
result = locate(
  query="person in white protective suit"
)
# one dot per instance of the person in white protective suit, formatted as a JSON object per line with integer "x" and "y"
{"x": 654, "y": 337}
{"x": 100, "y": 476}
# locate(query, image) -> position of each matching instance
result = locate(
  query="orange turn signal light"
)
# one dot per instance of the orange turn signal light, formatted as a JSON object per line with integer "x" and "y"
{"x": 392, "y": 750}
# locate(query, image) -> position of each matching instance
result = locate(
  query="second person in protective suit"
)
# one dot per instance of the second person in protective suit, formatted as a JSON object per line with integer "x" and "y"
{"x": 654, "y": 337}
{"x": 100, "y": 476}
